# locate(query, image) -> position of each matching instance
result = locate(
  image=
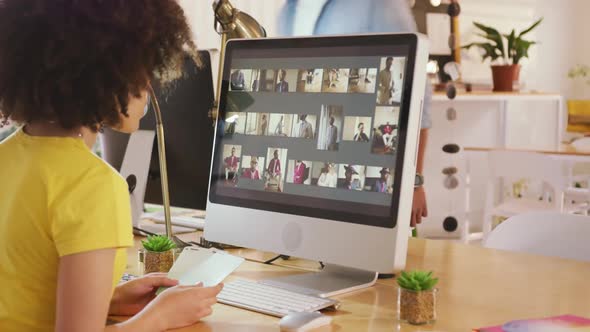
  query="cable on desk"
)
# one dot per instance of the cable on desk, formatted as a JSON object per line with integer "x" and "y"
{"x": 270, "y": 261}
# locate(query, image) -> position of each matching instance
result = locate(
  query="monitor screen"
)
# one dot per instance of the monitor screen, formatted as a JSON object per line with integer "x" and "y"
{"x": 314, "y": 131}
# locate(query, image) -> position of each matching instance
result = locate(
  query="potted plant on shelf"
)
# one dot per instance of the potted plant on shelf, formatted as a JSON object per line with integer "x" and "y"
{"x": 158, "y": 255}
{"x": 505, "y": 51}
{"x": 416, "y": 302}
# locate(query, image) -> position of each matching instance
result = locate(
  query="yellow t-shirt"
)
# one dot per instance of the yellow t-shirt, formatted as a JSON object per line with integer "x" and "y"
{"x": 56, "y": 198}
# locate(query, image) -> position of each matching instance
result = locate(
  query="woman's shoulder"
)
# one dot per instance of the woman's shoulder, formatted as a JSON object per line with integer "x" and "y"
{"x": 86, "y": 169}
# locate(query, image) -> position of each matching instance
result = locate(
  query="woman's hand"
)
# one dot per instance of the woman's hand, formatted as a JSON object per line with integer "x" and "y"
{"x": 132, "y": 296}
{"x": 177, "y": 307}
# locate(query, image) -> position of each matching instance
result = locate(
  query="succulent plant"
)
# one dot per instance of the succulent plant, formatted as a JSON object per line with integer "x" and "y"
{"x": 158, "y": 243}
{"x": 417, "y": 281}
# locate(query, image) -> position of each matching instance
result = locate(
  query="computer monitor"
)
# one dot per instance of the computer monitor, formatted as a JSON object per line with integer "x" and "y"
{"x": 315, "y": 153}
{"x": 189, "y": 132}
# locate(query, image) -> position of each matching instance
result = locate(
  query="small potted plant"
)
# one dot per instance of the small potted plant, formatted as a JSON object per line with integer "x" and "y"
{"x": 158, "y": 255}
{"x": 505, "y": 52}
{"x": 416, "y": 302}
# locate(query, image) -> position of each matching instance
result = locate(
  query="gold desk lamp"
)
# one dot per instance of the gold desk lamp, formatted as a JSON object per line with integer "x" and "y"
{"x": 163, "y": 167}
{"x": 230, "y": 23}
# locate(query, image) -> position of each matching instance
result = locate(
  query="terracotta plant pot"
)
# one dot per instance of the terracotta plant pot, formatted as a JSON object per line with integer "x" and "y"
{"x": 416, "y": 308}
{"x": 505, "y": 77}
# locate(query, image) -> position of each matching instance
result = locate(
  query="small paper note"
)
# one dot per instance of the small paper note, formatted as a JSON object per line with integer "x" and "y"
{"x": 208, "y": 266}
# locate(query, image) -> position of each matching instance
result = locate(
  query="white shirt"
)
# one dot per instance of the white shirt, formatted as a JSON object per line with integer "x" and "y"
{"x": 307, "y": 13}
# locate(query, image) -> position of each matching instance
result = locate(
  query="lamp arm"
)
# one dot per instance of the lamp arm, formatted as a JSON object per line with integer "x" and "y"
{"x": 162, "y": 160}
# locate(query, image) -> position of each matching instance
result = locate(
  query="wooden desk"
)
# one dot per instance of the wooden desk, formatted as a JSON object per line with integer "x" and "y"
{"x": 478, "y": 287}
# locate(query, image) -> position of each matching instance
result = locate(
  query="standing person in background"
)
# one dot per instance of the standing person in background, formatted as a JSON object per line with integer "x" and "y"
{"x": 321, "y": 17}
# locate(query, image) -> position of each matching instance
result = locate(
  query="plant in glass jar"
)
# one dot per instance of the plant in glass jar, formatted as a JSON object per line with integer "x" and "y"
{"x": 158, "y": 255}
{"x": 417, "y": 297}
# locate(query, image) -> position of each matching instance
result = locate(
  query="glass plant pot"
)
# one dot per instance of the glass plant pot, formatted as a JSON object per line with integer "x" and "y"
{"x": 416, "y": 308}
{"x": 156, "y": 261}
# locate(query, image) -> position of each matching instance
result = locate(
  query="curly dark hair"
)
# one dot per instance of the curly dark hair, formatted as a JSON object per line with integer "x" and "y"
{"x": 78, "y": 61}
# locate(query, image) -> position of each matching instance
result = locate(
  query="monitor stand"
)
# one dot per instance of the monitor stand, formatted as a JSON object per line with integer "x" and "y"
{"x": 330, "y": 281}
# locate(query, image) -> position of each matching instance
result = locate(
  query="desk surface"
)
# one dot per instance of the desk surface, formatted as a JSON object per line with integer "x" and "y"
{"x": 564, "y": 150}
{"x": 478, "y": 287}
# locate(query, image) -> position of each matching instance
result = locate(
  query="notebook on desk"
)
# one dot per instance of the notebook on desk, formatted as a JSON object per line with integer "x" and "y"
{"x": 563, "y": 323}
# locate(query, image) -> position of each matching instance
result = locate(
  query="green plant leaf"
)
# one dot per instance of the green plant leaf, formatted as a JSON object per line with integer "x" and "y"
{"x": 521, "y": 49}
{"x": 493, "y": 35}
{"x": 417, "y": 280}
{"x": 511, "y": 38}
{"x": 531, "y": 28}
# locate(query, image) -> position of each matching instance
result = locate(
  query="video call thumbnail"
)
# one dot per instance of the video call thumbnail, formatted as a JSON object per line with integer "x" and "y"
{"x": 330, "y": 127}
{"x": 231, "y": 163}
{"x": 257, "y": 124}
{"x": 263, "y": 80}
{"x": 362, "y": 80}
{"x": 299, "y": 172}
{"x": 235, "y": 123}
{"x": 357, "y": 129}
{"x": 379, "y": 179}
{"x": 286, "y": 80}
{"x": 385, "y": 130}
{"x": 390, "y": 80}
{"x": 275, "y": 169}
{"x": 335, "y": 80}
{"x": 252, "y": 167}
{"x": 280, "y": 125}
{"x": 351, "y": 177}
{"x": 304, "y": 126}
{"x": 240, "y": 80}
{"x": 309, "y": 80}
{"x": 324, "y": 174}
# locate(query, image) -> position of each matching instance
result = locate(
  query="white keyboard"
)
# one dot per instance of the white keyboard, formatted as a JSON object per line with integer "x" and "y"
{"x": 270, "y": 300}
{"x": 183, "y": 221}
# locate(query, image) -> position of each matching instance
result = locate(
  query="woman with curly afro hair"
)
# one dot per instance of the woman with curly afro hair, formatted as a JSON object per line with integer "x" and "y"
{"x": 68, "y": 68}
